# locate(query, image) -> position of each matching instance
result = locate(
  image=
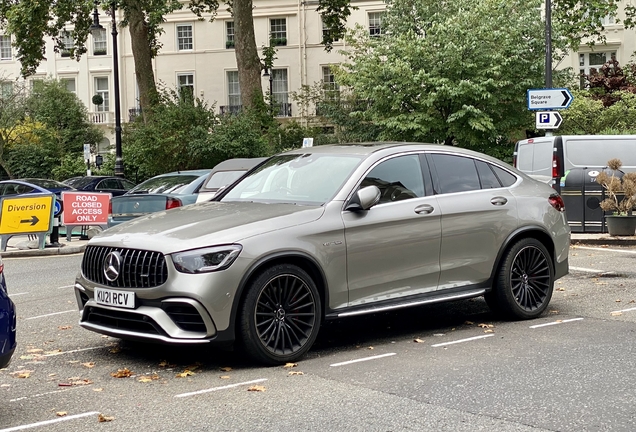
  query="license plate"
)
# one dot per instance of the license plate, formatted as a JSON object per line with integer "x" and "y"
{"x": 109, "y": 297}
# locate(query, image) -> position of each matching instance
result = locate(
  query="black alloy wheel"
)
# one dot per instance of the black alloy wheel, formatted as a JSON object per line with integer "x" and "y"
{"x": 525, "y": 281}
{"x": 281, "y": 315}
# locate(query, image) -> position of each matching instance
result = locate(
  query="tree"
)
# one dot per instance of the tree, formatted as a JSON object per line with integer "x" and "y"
{"x": 13, "y": 114}
{"x": 453, "y": 72}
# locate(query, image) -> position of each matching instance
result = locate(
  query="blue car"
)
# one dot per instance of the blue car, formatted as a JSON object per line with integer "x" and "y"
{"x": 7, "y": 322}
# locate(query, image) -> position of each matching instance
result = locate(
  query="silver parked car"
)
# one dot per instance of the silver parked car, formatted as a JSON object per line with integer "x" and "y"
{"x": 323, "y": 233}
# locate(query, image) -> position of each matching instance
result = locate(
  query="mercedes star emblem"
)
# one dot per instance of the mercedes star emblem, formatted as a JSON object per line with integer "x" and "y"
{"x": 112, "y": 265}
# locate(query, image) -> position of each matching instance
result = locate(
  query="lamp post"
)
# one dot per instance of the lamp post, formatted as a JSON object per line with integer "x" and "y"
{"x": 266, "y": 73}
{"x": 95, "y": 27}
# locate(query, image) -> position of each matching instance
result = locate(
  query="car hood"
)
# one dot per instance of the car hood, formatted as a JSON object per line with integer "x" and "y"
{"x": 205, "y": 224}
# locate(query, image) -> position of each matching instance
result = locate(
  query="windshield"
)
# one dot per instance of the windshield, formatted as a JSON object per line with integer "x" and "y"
{"x": 48, "y": 184}
{"x": 311, "y": 179}
{"x": 222, "y": 178}
{"x": 164, "y": 185}
{"x": 79, "y": 182}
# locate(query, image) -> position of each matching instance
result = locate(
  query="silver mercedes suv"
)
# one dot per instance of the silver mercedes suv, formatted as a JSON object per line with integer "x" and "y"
{"x": 328, "y": 232}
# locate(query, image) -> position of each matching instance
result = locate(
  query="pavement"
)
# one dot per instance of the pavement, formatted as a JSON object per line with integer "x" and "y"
{"x": 21, "y": 246}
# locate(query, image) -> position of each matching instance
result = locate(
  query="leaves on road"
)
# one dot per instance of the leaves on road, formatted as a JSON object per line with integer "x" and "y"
{"x": 65, "y": 327}
{"x": 418, "y": 340}
{"x": 89, "y": 365}
{"x": 290, "y": 365}
{"x": 121, "y": 373}
{"x": 61, "y": 413}
{"x": 226, "y": 369}
{"x": 166, "y": 364}
{"x": 102, "y": 418}
{"x": 616, "y": 313}
{"x": 295, "y": 373}
{"x": 224, "y": 377}
{"x": 22, "y": 373}
{"x": 148, "y": 378}
{"x": 256, "y": 388}
{"x": 184, "y": 374}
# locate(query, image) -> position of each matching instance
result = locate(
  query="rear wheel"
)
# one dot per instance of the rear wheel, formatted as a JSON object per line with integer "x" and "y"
{"x": 524, "y": 284}
{"x": 280, "y": 316}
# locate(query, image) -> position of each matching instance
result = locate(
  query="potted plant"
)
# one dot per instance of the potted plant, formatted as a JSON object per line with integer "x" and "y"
{"x": 621, "y": 198}
{"x": 97, "y": 99}
{"x": 229, "y": 44}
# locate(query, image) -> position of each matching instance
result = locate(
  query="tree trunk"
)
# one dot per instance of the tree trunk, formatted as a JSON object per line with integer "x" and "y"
{"x": 142, "y": 54}
{"x": 247, "y": 60}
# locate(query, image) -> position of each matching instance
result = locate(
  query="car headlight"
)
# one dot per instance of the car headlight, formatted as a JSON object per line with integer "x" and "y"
{"x": 207, "y": 259}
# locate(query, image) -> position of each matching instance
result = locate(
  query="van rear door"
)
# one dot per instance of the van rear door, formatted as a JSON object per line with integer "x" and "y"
{"x": 534, "y": 157}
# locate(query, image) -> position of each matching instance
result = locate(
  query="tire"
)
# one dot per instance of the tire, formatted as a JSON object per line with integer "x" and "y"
{"x": 525, "y": 281}
{"x": 280, "y": 316}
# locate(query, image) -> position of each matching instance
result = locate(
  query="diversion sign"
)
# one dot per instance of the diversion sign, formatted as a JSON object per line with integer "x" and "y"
{"x": 26, "y": 214}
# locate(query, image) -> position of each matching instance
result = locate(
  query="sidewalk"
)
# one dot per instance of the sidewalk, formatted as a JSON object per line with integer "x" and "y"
{"x": 21, "y": 246}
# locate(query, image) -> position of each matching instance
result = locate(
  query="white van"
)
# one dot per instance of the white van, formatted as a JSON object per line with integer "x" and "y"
{"x": 548, "y": 159}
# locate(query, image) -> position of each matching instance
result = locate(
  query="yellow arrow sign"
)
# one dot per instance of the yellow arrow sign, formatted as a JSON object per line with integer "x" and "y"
{"x": 26, "y": 214}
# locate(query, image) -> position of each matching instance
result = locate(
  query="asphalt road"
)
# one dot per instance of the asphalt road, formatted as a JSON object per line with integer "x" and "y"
{"x": 449, "y": 367}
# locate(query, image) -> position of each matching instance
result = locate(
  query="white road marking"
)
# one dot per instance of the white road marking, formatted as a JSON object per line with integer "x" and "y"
{"x": 625, "y": 310}
{"x": 363, "y": 359}
{"x": 555, "y": 323}
{"x": 49, "y": 422}
{"x": 219, "y": 388}
{"x": 462, "y": 340}
{"x": 45, "y": 394}
{"x": 606, "y": 249}
{"x": 66, "y": 286}
{"x": 17, "y": 294}
{"x": 586, "y": 270}
{"x": 73, "y": 351}
{"x": 51, "y": 314}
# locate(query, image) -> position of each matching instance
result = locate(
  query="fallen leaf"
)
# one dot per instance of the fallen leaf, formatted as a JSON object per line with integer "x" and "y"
{"x": 618, "y": 300}
{"x": 632, "y": 301}
{"x": 184, "y": 374}
{"x": 370, "y": 348}
{"x": 22, "y": 373}
{"x": 226, "y": 369}
{"x": 98, "y": 389}
{"x": 559, "y": 321}
{"x": 256, "y": 388}
{"x": 417, "y": 340}
{"x": 89, "y": 364}
{"x": 554, "y": 311}
{"x": 166, "y": 364}
{"x": 560, "y": 289}
{"x": 148, "y": 378}
{"x": 602, "y": 283}
{"x": 33, "y": 351}
{"x": 290, "y": 365}
{"x": 56, "y": 351}
{"x": 295, "y": 373}
{"x": 469, "y": 323}
{"x": 224, "y": 377}
{"x": 5, "y": 385}
{"x": 114, "y": 350}
{"x": 485, "y": 326}
{"x": 61, "y": 413}
{"x": 121, "y": 373}
{"x": 52, "y": 374}
{"x": 616, "y": 313}
{"x": 489, "y": 331}
{"x": 66, "y": 327}
{"x": 102, "y": 418}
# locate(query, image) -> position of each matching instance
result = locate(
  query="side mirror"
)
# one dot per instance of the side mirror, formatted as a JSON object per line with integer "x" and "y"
{"x": 364, "y": 199}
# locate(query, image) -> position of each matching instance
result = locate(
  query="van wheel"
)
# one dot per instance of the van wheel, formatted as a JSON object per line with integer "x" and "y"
{"x": 280, "y": 316}
{"x": 525, "y": 281}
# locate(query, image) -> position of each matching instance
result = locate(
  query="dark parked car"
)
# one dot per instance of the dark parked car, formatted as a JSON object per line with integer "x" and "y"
{"x": 113, "y": 185}
{"x": 7, "y": 322}
{"x": 323, "y": 233}
{"x": 224, "y": 174}
{"x": 162, "y": 192}
{"x": 33, "y": 185}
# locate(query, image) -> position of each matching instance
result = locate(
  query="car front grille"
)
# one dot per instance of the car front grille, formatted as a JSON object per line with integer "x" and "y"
{"x": 185, "y": 316}
{"x": 139, "y": 268}
{"x": 122, "y": 320}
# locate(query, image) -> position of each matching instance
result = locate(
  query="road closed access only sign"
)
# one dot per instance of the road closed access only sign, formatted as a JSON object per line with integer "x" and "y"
{"x": 26, "y": 214}
{"x": 83, "y": 208}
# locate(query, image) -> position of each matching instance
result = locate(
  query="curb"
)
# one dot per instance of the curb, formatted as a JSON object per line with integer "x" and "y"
{"x": 608, "y": 241}
{"x": 67, "y": 250}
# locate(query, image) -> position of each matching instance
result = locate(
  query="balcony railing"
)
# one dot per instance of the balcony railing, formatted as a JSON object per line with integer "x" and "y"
{"x": 103, "y": 117}
{"x": 280, "y": 110}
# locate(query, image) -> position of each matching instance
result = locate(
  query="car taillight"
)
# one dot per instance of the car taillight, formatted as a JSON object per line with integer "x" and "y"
{"x": 173, "y": 203}
{"x": 110, "y": 206}
{"x": 557, "y": 202}
{"x": 514, "y": 160}
{"x": 555, "y": 167}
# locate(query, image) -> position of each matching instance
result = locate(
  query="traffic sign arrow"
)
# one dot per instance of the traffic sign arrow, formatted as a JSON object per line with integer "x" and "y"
{"x": 542, "y": 99}
{"x": 548, "y": 120}
{"x": 33, "y": 220}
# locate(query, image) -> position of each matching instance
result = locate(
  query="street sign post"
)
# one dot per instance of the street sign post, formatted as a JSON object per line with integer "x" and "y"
{"x": 547, "y": 99}
{"x": 29, "y": 214}
{"x": 548, "y": 119}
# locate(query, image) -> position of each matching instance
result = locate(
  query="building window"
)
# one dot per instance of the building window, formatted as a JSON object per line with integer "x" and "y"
{"x": 593, "y": 60}
{"x": 326, "y": 30}
{"x": 185, "y": 83}
{"x": 280, "y": 91}
{"x": 375, "y": 23}
{"x": 278, "y": 31}
{"x": 608, "y": 20}
{"x": 69, "y": 84}
{"x": 330, "y": 88}
{"x": 6, "y": 89}
{"x": 67, "y": 43}
{"x": 5, "y": 47}
{"x": 99, "y": 42}
{"x": 101, "y": 88}
{"x": 233, "y": 88}
{"x": 184, "y": 37}
{"x": 229, "y": 34}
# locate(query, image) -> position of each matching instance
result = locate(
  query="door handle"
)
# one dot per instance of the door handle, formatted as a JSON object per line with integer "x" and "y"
{"x": 498, "y": 201}
{"x": 424, "y": 209}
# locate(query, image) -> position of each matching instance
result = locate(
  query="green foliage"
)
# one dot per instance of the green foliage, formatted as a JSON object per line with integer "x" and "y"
{"x": 455, "y": 73}
{"x": 588, "y": 115}
{"x": 239, "y": 135}
{"x": 72, "y": 165}
{"x": 31, "y": 160}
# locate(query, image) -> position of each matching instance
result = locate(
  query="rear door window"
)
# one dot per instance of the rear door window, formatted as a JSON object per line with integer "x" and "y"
{"x": 486, "y": 175}
{"x": 398, "y": 179}
{"x": 455, "y": 173}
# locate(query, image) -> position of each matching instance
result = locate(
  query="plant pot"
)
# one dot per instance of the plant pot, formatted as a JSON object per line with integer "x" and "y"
{"x": 621, "y": 225}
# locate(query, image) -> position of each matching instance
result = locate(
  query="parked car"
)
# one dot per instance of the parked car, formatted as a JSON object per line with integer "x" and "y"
{"x": 162, "y": 192}
{"x": 224, "y": 174}
{"x": 7, "y": 322}
{"x": 324, "y": 233}
{"x": 33, "y": 185}
{"x": 106, "y": 184}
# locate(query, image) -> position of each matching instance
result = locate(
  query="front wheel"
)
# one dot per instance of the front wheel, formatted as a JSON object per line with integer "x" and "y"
{"x": 524, "y": 284}
{"x": 280, "y": 316}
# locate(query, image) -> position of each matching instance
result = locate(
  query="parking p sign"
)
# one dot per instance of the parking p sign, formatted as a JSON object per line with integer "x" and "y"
{"x": 548, "y": 120}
